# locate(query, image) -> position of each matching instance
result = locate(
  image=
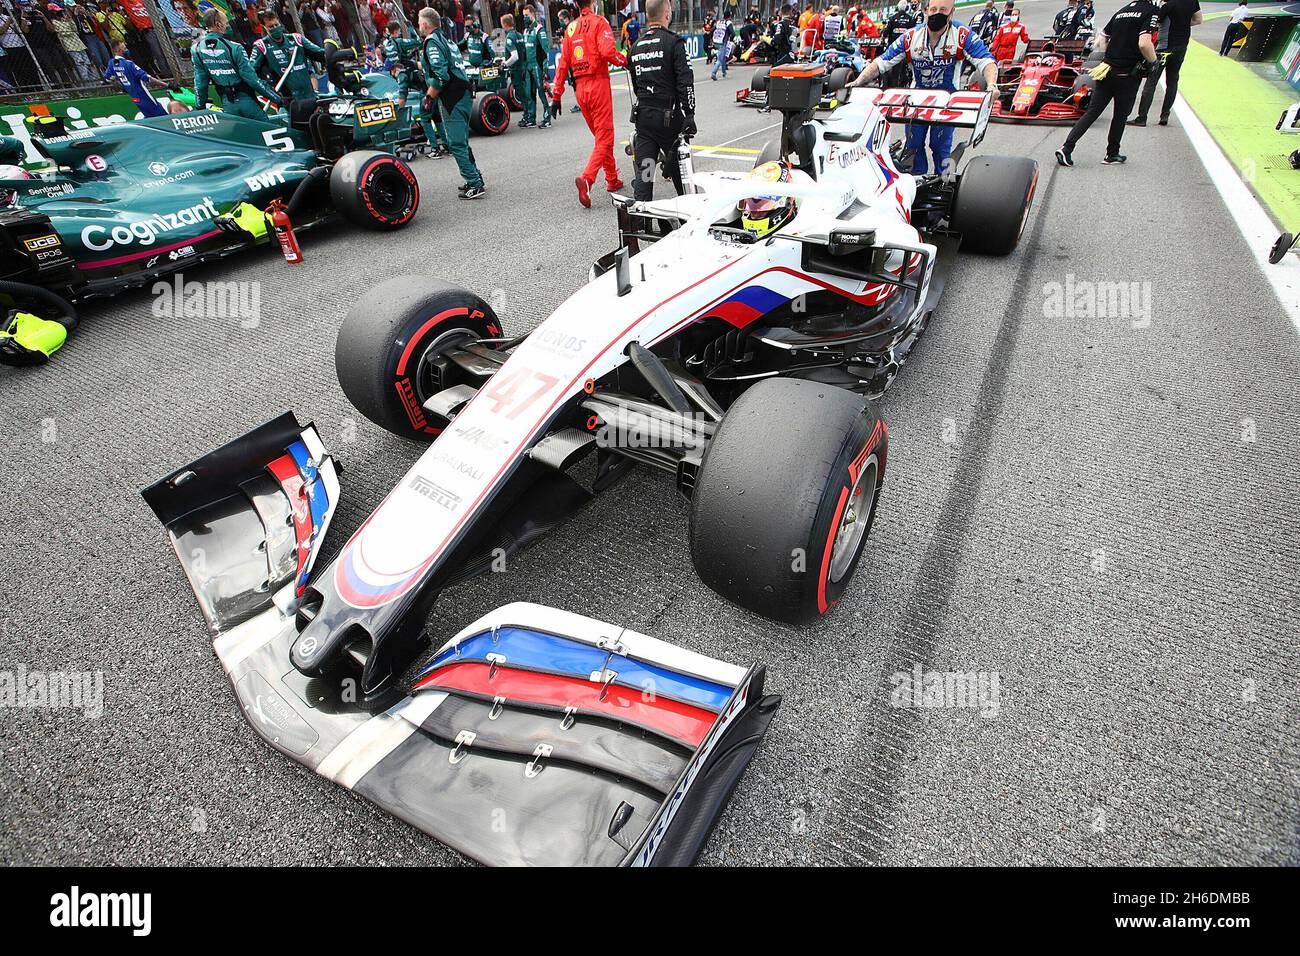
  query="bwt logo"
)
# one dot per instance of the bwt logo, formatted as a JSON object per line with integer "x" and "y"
{"x": 74, "y": 909}
{"x": 264, "y": 180}
{"x": 435, "y": 493}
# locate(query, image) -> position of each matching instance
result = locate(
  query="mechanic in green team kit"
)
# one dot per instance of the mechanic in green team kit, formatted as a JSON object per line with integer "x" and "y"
{"x": 284, "y": 58}
{"x": 222, "y": 63}
{"x": 477, "y": 50}
{"x": 448, "y": 83}
{"x": 515, "y": 61}
{"x": 537, "y": 53}
{"x": 401, "y": 54}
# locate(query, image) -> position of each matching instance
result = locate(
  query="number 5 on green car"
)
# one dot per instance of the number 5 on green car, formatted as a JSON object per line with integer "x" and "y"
{"x": 116, "y": 207}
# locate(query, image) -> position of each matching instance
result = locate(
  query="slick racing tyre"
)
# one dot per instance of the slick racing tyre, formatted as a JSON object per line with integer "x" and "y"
{"x": 511, "y": 97}
{"x": 758, "y": 79}
{"x": 994, "y": 195}
{"x": 840, "y": 77}
{"x": 374, "y": 190}
{"x": 390, "y": 354}
{"x": 489, "y": 115}
{"x": 786, "y": 496}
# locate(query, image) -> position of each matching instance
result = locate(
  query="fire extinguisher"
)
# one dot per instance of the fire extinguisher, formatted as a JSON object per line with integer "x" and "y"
{"x": 284, "y": 232}
{"x": 686, "y": 165}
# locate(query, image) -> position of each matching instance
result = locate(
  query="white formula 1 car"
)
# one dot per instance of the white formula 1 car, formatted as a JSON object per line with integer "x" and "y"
{"x": 742, "y": 364}
{"x": 1288, "y": 122}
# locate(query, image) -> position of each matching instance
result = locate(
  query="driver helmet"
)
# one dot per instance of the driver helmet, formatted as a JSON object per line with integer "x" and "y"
{"x": 763, "y": 215}
{"x": 7, "y": 196}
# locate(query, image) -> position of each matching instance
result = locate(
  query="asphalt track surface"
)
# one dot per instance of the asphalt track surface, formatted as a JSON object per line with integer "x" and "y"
{"x": 1070, "y": 504}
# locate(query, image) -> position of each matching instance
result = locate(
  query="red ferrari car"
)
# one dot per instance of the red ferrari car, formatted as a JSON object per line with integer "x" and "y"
{"x": 1050, "y": 85}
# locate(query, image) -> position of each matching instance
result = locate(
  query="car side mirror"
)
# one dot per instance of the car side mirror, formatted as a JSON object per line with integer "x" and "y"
{"x": 844, "y": 241}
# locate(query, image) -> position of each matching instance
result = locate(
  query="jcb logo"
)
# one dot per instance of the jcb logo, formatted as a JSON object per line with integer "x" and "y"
{"x": 41, "y": 242}
{"x": 378, "y": 113}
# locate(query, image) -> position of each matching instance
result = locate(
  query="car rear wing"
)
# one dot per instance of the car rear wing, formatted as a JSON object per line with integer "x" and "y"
{"x": 534, "y": 736}
{"x": 1070, "y": 49}
{"x": 963, "y": 109}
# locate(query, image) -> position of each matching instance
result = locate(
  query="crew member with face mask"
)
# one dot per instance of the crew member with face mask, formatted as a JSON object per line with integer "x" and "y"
{"x": 477, "y": 51}
{"x": 935, "y": 52}
{"x": 283, "y": 57}
{"x": 1008, "y": 37}
{"x": 223, "y": 63}
{"x": 537, "y": 54}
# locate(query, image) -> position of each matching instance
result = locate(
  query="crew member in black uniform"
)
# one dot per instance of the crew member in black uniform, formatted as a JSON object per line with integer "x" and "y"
{"x": 1177, "y": 17}
{"x": 783, "y": 37}
{"x": 1129, "y": 55}
{"x": 899, "y": 22}
{"x": 665, "y": 99}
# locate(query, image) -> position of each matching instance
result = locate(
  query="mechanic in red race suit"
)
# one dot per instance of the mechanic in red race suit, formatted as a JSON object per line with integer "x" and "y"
{"x": 1008, "y": 37}
{"x": 936, "y": 52}
{"x": 588, "y": 50}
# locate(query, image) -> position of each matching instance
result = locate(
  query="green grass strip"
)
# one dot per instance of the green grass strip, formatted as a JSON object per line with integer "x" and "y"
{"x": 1240, "y": 109}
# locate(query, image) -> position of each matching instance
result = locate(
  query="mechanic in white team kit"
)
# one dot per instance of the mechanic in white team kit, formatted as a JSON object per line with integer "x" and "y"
{"x": 724, "y": 35}
{"x": 935, "y": 51}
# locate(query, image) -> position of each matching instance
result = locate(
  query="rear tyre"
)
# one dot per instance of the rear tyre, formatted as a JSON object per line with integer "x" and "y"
{"x": 758, "y": 79}
{"x": 992, "y": 205}
{"x": 374, "y": 190}
{"x": 390, "y": 351}
{"x": 786, "y": 496}
{"x": 839, "y": 78}
{"x": 489, "y": 115}
{"x": 511, "y": 97}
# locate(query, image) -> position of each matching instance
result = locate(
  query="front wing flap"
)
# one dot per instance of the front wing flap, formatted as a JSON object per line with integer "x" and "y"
{"x": 533, "y": 737}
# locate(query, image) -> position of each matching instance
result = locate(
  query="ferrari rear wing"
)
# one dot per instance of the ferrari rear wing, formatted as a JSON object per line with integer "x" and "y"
{"x": 964, "y": 109}
{"x": 534, "y": 736}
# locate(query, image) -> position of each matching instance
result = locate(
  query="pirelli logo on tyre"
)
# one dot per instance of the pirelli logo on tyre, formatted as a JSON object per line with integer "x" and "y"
{"x": 375, "y": 114}
{"x": 42, "y": 242}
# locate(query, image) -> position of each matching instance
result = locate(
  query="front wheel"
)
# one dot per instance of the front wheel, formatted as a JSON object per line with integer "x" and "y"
{"x": 390, "y": 354}
{"x": 374, "y": 190}
{"x": 786, "y": 496}
{"x": 992, "y": 204}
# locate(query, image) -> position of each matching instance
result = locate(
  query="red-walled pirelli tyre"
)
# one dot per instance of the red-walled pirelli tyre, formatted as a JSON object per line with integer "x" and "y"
{"x": 516, "y": 104}
{"x": 374, "y": 190}
{"x": 786, "y": 496}
{"x": 390, "y": 351}
{"x": 489, "y": 115}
